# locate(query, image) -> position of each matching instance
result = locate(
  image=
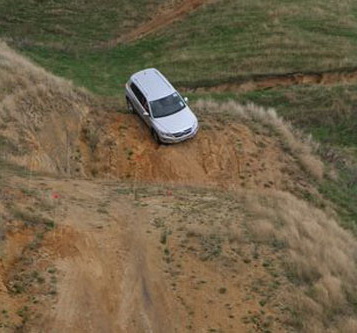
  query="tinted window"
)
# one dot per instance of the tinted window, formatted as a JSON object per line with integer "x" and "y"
{"x": 168, "y": 105}
{"x": 139, "y": 95}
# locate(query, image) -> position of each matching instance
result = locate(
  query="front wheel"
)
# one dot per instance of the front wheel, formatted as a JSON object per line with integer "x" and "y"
{"x": 129, "y": 105}
{"x": 155, "y": 136}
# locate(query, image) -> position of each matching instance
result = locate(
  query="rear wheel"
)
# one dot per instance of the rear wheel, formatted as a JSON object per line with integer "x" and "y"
{"x": 129, "y": 106}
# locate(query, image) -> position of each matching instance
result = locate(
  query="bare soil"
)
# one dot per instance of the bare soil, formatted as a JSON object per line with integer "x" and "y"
{"x": 128, "y": 257}
{"x": 122, "y": 259}
{"x": 225, "y": 153}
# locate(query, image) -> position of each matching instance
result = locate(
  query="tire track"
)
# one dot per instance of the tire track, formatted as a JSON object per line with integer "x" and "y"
{"x": 159, "y": 21}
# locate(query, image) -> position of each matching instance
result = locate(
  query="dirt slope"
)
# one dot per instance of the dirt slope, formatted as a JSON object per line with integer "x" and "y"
{"x": 225, "y": 153}
{"x": 129, "y": 258}
{"x": 130, "y": 264}
{"x": 105, "y": 265}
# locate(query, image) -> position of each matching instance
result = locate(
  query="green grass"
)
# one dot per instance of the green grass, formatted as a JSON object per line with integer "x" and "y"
{"x": 215, "y": 43}
{"x": 343, "y": 193}
{"x": 327, "y": 112}
{"x": 67, "y": 24}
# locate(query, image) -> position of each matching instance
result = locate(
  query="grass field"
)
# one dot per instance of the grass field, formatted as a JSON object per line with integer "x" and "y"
{"x": 71, "y": 25}
{"x": 217, "y": 42}
{"x": 327, "y": 112}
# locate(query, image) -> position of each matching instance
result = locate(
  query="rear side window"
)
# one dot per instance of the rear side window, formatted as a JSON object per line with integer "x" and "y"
{"x": 139, "y": 95}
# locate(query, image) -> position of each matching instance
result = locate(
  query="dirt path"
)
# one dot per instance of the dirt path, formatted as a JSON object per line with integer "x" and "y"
{"x": 137, "y": 264}
{"x": 110, "y": 278}
{"x": 268, "y": 81}
{"x": 159, "y": 21}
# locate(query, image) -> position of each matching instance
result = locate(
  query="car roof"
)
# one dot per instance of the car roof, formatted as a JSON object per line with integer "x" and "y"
{"x": 152, "y": 84}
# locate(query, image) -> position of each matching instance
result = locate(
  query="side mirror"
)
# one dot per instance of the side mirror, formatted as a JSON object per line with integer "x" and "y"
{"x": 185, "y": 99}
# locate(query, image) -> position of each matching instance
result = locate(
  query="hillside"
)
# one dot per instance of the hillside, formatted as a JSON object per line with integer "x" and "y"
{"x": 249, "y": 227}
{"x": 298, "y": 58}
{"x": 214, "y": 234}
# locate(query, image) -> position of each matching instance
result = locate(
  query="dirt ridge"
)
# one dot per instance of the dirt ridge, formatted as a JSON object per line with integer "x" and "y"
{"x": 273, "y": 80}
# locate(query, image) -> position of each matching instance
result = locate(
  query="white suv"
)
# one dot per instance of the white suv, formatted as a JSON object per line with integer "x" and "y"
{"x": 162, "y": 108}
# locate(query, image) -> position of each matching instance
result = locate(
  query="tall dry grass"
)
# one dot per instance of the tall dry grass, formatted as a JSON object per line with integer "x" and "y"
{"x": 40, "y": 114}
{"x": 300, "y": 146}
{"x": 319, "y": 258}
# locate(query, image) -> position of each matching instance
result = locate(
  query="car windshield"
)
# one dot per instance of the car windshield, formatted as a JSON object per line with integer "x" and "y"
{"x": 166, "y": 106}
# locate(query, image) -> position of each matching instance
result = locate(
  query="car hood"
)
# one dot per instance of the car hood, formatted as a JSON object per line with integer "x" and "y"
{"x": 176, "y": 122}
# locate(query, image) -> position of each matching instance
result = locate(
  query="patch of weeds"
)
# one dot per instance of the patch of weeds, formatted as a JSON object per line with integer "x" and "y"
{"x": 129, "y": 153}
{"x": 222, "y": 290}
{"x": 212, "y": 246}
{"x": 167, "y": 255}
{"x": 343, "y": 193}
{"x": 255, "y": 252}
{"x": 18, "y": 288}
{"x": 158, "y": 222}
{"x": 102, "y": 211}
{"x": 41, "y": 279}
{"x": 23, "y": 313}
{"x": 123, "y": 190}
{"x": 266, "y": 263}
{"x": 50, "y": 224}
{"x": 31, "y": 219}
{"x": 263, "y": 302}
{"x": 52, "y": 270}
{"x": 278, "y": 244}
{"x": 92, "y": 137}
{"x": 164, "y": 236}
{"x": 36, "y": 242}
{"x": 28, "y": 192}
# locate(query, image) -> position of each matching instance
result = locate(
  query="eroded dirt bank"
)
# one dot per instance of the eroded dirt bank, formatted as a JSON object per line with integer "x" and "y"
{"x": 268, "y": 81}
{"x": 225, "y": 153}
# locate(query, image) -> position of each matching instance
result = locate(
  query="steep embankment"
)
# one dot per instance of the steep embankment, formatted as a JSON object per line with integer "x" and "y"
{"x": 268, "y": 81}
{"x": 40, "y": 115}
{"x": 231, "y": 150}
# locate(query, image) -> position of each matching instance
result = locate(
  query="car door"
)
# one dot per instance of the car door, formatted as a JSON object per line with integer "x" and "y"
{"x": 141, "y": 104}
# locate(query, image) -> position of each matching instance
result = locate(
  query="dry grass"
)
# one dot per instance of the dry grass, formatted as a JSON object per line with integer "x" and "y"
{"x": 40, "y": 114}
{"x": 318, "y": 256}
{"x": 299, "y": 146}
{"x": 309, "y": 258}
